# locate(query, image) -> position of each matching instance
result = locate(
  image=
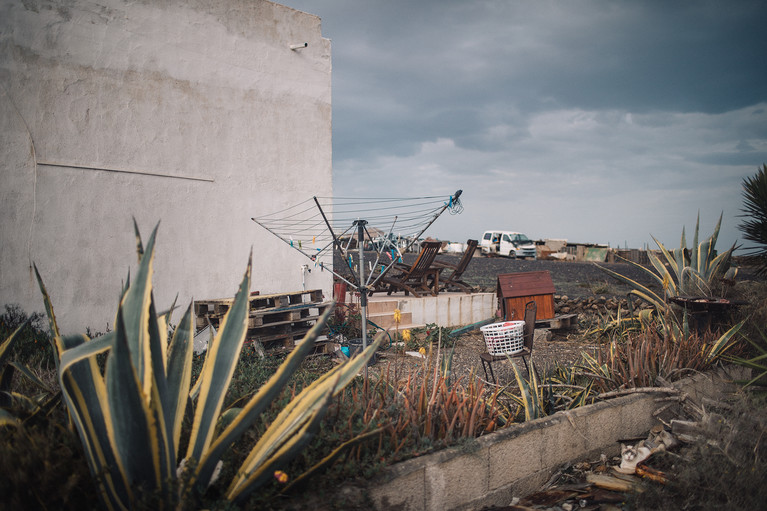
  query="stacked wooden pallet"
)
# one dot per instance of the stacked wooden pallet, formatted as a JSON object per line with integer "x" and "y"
{"x": 272, "y": 319}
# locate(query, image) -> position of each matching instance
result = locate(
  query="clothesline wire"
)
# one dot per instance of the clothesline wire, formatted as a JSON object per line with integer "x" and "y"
{"x": 316, "y": 226}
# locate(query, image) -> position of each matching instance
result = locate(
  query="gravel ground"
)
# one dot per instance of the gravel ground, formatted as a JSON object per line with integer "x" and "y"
{"x": 574, "y": 279}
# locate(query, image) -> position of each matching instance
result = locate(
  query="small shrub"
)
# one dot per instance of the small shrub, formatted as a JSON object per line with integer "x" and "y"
{"x": 34, "y": 347}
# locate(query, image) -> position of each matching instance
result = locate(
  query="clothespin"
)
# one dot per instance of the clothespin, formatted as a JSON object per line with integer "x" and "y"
{"x": 314, "y": 238}
{"x": 299, "y": 244}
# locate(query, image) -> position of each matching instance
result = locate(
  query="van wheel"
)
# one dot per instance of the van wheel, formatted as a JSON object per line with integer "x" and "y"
{"x": 513, "y": 254}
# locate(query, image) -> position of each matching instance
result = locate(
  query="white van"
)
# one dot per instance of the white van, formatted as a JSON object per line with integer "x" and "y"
{"x": 507, "y": 243}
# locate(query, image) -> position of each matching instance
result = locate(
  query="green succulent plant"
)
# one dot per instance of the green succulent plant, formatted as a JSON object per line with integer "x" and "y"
{"x": 129, "y": 418}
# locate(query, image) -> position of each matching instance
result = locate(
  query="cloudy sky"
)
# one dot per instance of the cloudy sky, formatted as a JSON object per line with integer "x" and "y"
{"x": 595, "y": 121}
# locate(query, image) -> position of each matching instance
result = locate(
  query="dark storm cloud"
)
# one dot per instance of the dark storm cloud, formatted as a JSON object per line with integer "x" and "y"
{"x": 643, "y": 105}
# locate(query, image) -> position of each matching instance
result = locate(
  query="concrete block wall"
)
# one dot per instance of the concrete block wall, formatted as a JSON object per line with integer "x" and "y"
{"x": 518, "y": 460}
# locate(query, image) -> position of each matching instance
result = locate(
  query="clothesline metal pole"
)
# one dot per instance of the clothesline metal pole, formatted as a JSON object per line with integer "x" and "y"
{"x": 336, "y": 242}
{"x": 362, "y": 288}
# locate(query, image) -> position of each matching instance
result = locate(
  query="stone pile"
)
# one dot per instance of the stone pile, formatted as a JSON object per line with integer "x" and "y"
{"x": 563, "y": 304}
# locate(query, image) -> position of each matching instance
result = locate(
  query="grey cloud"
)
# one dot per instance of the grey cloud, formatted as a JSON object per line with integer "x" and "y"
{"x": 582, "y": 106}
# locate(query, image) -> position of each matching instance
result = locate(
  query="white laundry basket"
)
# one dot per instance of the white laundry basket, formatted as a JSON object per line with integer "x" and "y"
{"x": 504, "y": 338}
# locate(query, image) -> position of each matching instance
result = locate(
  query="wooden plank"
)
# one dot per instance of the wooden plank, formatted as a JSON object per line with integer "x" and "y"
{"x": 558, "y": 322}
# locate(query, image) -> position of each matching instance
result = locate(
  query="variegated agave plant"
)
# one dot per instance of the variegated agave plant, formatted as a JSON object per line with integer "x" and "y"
{"x": 683, "y": 272}
{"x": 129, "y": 419}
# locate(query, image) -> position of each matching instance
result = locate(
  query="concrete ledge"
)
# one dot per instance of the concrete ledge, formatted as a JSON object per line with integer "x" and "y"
{"x": 517, "y": 460}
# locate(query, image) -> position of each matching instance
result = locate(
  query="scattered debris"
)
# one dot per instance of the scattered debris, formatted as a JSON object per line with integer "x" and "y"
{"x": 605, "y": 484}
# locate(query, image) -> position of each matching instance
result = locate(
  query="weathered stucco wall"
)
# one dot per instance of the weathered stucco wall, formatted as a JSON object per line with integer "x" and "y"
{"x": 205, "y": 118}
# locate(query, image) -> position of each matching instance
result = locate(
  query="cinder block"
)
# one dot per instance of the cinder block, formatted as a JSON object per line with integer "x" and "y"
{"x": 459, "y": 478}
{"x": 405, "y": 491}
{"x": 514, "y": 458}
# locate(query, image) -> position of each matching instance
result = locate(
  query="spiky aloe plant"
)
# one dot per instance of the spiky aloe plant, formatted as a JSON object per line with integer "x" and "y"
{"x": 129, "y": 419}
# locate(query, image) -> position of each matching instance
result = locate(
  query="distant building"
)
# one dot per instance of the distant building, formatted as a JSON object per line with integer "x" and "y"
{"x": 200, "y": 115}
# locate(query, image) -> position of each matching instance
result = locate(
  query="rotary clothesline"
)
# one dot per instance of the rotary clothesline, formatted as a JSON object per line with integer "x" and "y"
{"x": 316, "y": 226}
{"x": 319, "y": 225}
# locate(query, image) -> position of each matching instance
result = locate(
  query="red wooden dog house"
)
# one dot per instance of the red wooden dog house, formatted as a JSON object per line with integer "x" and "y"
{"x": 516, "y": 289}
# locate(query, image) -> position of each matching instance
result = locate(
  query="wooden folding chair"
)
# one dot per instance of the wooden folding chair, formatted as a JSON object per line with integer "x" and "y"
{"x": 420, "y": 277}
{"x": 453, "y": 280}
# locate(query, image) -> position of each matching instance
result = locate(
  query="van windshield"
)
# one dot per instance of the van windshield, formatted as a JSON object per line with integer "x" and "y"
{"x": 521, "y": 238}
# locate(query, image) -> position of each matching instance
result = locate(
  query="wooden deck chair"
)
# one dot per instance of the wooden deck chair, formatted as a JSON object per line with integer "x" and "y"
{"x": 453, "y": 281}
{"x": 528, "y": 335}
{"x": 417, "y": 278}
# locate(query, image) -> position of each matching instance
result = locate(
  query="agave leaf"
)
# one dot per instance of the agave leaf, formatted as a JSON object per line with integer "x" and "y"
{"x": 327, "y": 460}
{"x": 694, "y": 257}
{"x": 218, "y": 369}
{"x": 694, "y": 283}
{"x": 715, "y": 235}
{"x": 668, "y": 284}
{"x": 287, "y": 425}
{"x": 639, "y": 289}
{"x": 723, "y": 343}
{"x": 157, "y": 397}
{"x": 134, "y": 308}
{"x": 530, "y": 399}
{"x": 85, "y": 394}
{"x": 294, "y": 417}
{"x": 294, "y": 444}
{"x": 650, "y": 297}
{"x": 134, "y": 434}
{"x": 673, "y": 259}
{"x": 52, "y": 324}
{"x": 260, "y": 400}
{"x": 179, "y": 373}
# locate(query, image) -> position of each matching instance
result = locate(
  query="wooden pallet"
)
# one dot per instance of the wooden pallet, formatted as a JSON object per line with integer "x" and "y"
{"x": 282, "y": 318}
{"x": 557, "y": 322}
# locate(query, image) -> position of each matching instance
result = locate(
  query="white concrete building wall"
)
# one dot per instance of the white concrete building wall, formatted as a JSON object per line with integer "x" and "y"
{"x": 195, "y": 114}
